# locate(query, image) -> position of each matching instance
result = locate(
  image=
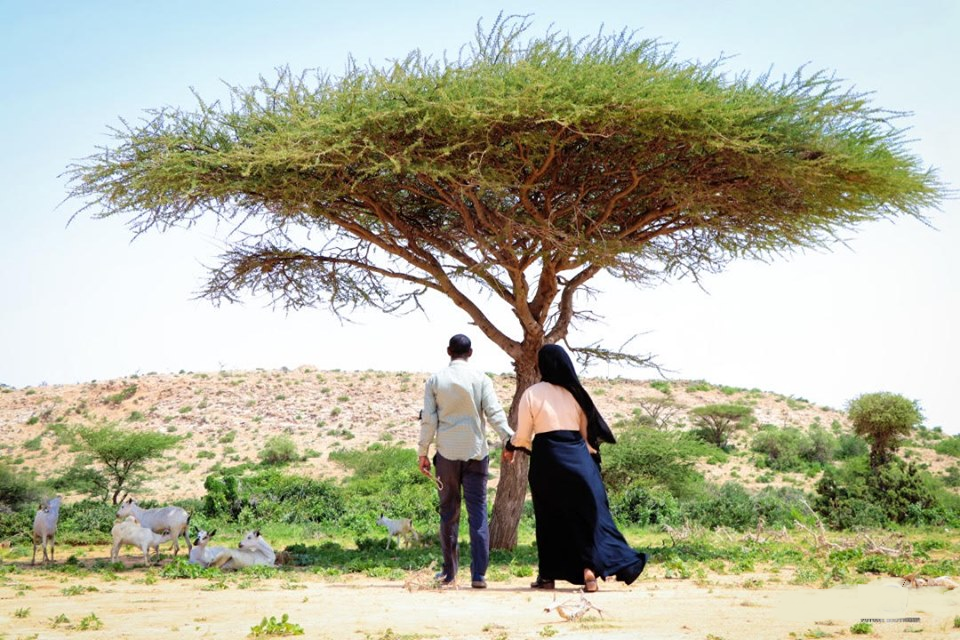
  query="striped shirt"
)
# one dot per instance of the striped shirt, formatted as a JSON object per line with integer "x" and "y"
{"x": 456, "y": 400}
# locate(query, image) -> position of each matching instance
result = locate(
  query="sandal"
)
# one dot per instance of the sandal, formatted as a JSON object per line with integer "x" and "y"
{"x": 589, "y": 581}
{"x": 540, "y": 583}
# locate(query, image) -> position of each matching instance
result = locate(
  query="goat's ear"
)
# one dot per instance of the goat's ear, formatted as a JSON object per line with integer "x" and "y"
{"x": 212, "y": 533}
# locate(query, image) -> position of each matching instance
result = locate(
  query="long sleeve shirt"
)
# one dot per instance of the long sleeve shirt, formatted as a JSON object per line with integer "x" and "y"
{"x": 547, "y": 407}
{"x": 457, "y": 401}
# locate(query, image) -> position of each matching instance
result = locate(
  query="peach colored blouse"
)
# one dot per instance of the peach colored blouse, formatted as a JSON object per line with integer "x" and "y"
{"x": 547, "y": 407}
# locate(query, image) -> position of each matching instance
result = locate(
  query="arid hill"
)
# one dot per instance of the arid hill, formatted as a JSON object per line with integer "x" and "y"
{"x": 226, "y": 417}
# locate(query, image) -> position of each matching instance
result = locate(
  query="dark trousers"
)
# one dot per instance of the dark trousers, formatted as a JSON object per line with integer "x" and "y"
{"x": 470, "y": 478}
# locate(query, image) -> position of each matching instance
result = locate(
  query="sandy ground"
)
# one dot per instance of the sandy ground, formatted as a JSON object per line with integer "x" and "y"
{"x": 139, "y": 605}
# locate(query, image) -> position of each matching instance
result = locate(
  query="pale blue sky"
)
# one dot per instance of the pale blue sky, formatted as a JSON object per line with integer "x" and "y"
{"x": 84, "y": 302}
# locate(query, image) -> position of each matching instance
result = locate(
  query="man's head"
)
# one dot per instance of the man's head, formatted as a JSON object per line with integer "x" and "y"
{"x": 459, "y": 347}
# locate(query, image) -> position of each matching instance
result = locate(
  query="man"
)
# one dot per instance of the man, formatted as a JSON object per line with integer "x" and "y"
{"x": 456, "y": 401}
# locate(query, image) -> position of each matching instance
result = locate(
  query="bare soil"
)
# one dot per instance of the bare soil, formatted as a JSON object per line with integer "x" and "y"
{"x": 138, "y": 606}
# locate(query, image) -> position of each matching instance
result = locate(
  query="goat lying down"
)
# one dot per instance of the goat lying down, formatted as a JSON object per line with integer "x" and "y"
{"x": 252, "y": 551}
{"x": 203, "y": 554}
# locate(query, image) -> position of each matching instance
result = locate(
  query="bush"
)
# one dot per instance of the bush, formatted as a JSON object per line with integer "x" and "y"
{"x": 86, "y": 522}
{"x": 652, "y": 458}
{"x": 851, "y": 446}
{"x": 643, "y": 506}
{"x": 269, "y": 495}
{"x": 729, "y": 506}
{"x": 16, "y": 490}
{"x": 949, "y": 447}
{"x": 279, "y": 450}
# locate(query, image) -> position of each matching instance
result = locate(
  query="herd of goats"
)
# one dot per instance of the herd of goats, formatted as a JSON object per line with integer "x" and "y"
{"x": 149, "y": 528}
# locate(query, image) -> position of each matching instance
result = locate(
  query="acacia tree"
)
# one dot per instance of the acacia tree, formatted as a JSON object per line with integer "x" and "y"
{"x": 510, "y": 176}
{"x": 717, "y": 422}
{"x": 883, "y": 419}
{"x": 124, "y": 454}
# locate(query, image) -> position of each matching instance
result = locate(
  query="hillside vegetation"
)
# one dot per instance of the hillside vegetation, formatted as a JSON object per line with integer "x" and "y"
{"x": 226, "y": 418}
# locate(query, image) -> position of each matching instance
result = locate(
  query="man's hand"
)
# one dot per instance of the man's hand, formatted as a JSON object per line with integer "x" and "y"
{"x": 425, "y": 466}
{"x": 507, "y": 456}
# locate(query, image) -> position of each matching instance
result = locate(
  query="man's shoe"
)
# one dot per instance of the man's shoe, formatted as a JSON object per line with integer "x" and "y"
{"x": 479, "y": 584}
{"x": 540, "y": 583}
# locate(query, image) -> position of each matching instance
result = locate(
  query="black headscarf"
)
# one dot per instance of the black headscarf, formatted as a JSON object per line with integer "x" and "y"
{"x": 557, "y": 368}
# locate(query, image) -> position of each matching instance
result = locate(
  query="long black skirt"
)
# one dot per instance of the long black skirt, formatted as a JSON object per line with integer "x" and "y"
{"x": 574, "y": 527}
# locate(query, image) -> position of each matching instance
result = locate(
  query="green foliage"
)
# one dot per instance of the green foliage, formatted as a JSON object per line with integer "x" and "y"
{"x": 270, "y": 496}
{"x": 884, "y": 420}
{"x": 648, "y": 457}
{"x": 81, "y": 478}
{"x": 644, "y": 506}
{"x": 16, "y": 489}
{"x": 949, "y": 446}
{"x": 86, "y": 522}
{"x": 661, "y": 385}
{"x": 732, "y": 505}
{"x": 850, "y": 445}
{"x": 861, "y": 628}
{"x": 123, "y": 454}
{"x": 279, "y": 450}
{"x": 385, "y": 479}
{"x": 90, "y": 623}
{"x": 125, "y": 394}
{"x": 717, "y": 422}
{"x": 790, "y": 449}
{"x": 274, "y": 627}
{"x": 860, "y": 496}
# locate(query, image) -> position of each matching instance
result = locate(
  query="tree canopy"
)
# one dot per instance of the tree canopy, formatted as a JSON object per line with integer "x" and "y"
{"x": 508, "y": 176}
{"x": 884, "y": 419}
{"x": 123, "y": 454}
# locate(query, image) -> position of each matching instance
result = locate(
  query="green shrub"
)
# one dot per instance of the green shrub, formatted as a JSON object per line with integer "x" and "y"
{"x": 16, "y": 489}
{"x": 86, "y": 522}
{"x": 279, "y": 450}
{"x": 644, "y": 506}
{"x": 851, "y": 446}
{"x": 83, "y": 479}
{"x": 661, "y": 385}
{"x": 949, "y": 447}
{"x": 729, "y": 505}
{"x": 125, "y": 394}
{"x": 649, "y": 457}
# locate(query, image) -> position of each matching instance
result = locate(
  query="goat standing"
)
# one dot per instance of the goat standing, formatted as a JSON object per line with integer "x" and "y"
{"x": 176, "y": 519}
{"x": 45, "y": 527}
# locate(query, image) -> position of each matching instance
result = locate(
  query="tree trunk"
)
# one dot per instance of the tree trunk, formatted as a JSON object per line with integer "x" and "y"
{"x": 512, "y": 486}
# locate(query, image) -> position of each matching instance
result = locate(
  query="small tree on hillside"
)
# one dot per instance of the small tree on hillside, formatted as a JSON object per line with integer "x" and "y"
{"x": 717, "y": 422}
{"x": 884, "y": 420}
{"x": 124, "y": 454}
{"x": 506, "y": 180}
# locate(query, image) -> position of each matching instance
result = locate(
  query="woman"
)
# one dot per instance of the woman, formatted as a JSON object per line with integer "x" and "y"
{"x": 577, "y": 540}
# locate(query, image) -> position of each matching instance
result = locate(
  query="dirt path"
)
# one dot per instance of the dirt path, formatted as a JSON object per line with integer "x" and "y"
{"x": 138, "y": 605}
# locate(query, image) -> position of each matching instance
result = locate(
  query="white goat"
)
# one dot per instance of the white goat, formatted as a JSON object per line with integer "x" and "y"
{"x": 252, "y": 551}
{"x": 130, "y": 532}
{"x": 45, "y": 527}
{"x": 399, "y": 528}
{"x": 202, "y": 554}
{"x": 158, "y": 520}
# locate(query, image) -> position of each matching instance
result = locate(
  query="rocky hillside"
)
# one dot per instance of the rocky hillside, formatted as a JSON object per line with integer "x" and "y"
{"x": 226, "y": 417}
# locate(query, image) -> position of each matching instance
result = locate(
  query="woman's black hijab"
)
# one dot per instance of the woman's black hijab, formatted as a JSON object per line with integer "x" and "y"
{"x": 557, "y": 368}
